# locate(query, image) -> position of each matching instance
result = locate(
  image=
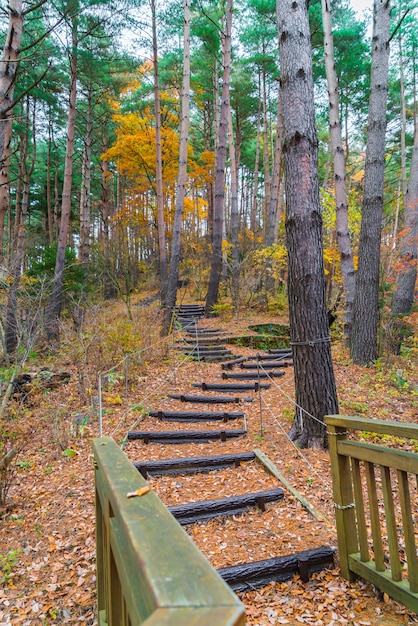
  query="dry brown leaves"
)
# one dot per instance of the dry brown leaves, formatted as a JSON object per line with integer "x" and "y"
{"x": 47, "y": 531}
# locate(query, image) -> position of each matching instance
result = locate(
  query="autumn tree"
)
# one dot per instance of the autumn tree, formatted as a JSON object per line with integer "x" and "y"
{"x": 309, "y": 332}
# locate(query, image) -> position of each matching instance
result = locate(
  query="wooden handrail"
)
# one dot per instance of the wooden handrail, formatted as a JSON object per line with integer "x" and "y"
{"x": 365, "y": 491}
{"x": 148, "y": 569}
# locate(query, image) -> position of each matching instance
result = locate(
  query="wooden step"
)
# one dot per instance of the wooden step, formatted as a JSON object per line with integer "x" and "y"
{"x": 192, "y": 465}
{"x": 196, "y": 416}
{"x": 209, "y": 399}
{"x": 232, "y": 386}
{"x": 237, "y": 361}
{"x": 234, "y": 505}
{"x": 251, "y": 375}
{"x": 266, "y": 365}
{"x": 246, "y": 576}
{"x": 184, "y": 436}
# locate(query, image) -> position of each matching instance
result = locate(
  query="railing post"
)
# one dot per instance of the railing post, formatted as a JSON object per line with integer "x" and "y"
{"x": 343, "y": 500}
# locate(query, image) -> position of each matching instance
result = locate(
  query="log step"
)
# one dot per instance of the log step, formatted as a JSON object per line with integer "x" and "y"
{"x": 280, "y": 351}
{"x": 270, "y": 357}
{"x": 232, "y": 386}
{"x": 209, "y": 399}
{"x": 184, "y": 436}
{"x": 192, "y": 465}
{"x": 234, "y": 505}
{"x": 212, "y": 359}
{"x": 252, "y": 375}
{"x": 266, "y": 365}
{"x": 260, "y": 573}
{"x": 237, "y": 361}
{"x": 196, "y": 416}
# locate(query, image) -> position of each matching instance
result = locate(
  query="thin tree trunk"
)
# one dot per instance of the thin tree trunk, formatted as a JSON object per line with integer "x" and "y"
{"x": 267, "y": 183}
{"x": 8, "y": 69}
{"x": 234, "y": 212}
{"x": 275, "y": 182}
{"x": 159, "y": 163}
{"x": 341, "y": 201}
{"x": 218, "y": 216}
{"x": 11, "y": 326}
{"x": 403, "y": 298}
{"x": 254, "y": 205}
{"x": 85, "y": 204}
{"x": 366, "y": 300}
{"x": 54, "y": 305}
{"x": 182, "y": 174}
{"x": 315, "y": 388}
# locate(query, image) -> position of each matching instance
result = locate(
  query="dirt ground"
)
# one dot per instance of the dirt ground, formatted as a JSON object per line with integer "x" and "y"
{"x": 47, "y": 528}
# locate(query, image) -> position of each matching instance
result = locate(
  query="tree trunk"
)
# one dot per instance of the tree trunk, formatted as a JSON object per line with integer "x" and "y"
{"x": 234, "y": 213}
{"x": 218, "y": 210}
{"x": 275, "y": 183}
{"x": 159, "y": 164}
{"x": 11, "y": 326}
{"x": 182, "y": 175}
{"x": 8, "y": 69}
{"x": 403, "y": 298}
{"x": 366, "y": 299}
{"x": 54, "y": 305}
{"x": 309, "y": 332}
{"x": 85, "y": 204}
{"x": 341, "y": 202}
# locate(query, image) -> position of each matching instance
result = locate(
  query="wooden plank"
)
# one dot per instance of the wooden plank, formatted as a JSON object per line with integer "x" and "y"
{"x": 196, "y": 416}
{"x": 255, "y": 574}
{"x": 209, "y": 399}
{"x": 252, "y": 375}
{"x": 183, "y": 436}
{"x": 408, "y": 530}
{"x": 192, "y": 464}
{"x": 360, "y": 512}
{"x": 380, "y": 455}
{"x": 273, "y": 469}
{"x": 397, "y": 429}
{"x": 192, "y": 512}
{"x": 227, "y": 616}
{"x": 266, "y": 365}
{"x": 343, "y": 499}
{"x": 232, "y": 386}
{"x": 375, "y": 517}
{"x": 155, "y": 562}
{"x": 399, "y": 591}
{"x": 395, "y": 562}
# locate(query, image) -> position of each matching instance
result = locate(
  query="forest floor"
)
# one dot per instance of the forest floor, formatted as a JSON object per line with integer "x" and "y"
{"x": 47, "y": 527}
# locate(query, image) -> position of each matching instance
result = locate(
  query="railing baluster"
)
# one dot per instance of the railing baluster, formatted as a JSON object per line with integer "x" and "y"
{"x": 375, "y": 517}
{"x": 408, "y": 529}
{"x": 395, "y": 562}
{"x": 360, "y": 514}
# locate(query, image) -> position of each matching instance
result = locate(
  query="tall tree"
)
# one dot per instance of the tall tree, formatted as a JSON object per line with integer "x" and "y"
{"x": 159, "y": 161}
{"x": 8, "y": 68}
{"x": 218, "y": 210}
{"x": 316, "y": 394}
{"x": 182, "y": 174}
{"x": 54, "y": 305}
{"x": 341, "y": 201}
{"x": 366, "y": 299}
{"x": 403, "y": 297}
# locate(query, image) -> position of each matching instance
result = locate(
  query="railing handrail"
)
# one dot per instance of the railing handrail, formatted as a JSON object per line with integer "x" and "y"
{"x": 346, "y": 457}
{"x": 148, "y": 569}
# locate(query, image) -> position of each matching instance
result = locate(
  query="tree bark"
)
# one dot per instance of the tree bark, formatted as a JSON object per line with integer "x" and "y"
{"x": 182, "y": 175}
{"x": 8, "y": 69}
{"x": 54, "y": 305}
{"x": 273, "y": 218}
{"x": 309, "y": 332}
{"x": 218, "y": 209}
{"x": 85, "y": 203}
{"x": 403, "y": 298}
{"x": 341, "y": 201}
{"x": 364, "y": 349}
{"x": 159, "y": 163}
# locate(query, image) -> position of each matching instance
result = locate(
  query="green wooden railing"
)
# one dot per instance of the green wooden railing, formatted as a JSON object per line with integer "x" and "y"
{"x": 148, "y": 569}
{"x": 375, "y": 498}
